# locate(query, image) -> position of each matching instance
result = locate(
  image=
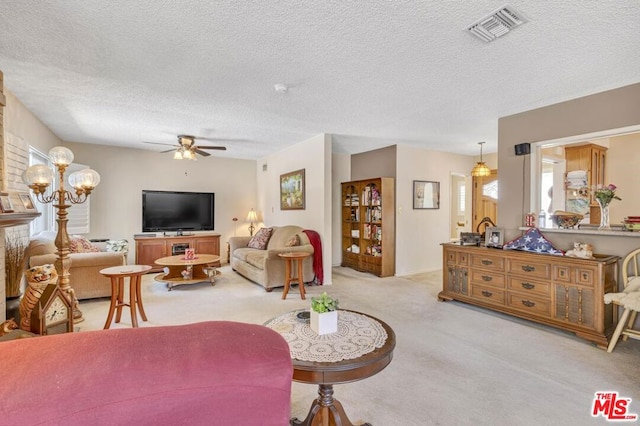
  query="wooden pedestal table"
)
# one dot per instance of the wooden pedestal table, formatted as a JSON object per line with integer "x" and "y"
{"x": 289, "y": 258}
{"x": 181, "y": 271}
{"x": 117, "y": 275}
{"x": 326, "y": 410}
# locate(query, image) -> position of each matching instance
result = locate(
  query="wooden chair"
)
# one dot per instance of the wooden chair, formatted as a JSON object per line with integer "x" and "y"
{"x": 629, "y": 299}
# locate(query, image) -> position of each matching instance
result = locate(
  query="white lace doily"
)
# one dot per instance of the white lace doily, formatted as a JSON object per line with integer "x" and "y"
{"x": 357, "y": 335}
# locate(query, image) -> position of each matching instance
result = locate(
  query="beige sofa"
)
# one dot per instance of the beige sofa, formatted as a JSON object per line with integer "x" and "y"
{"x": 85, "y": 277}
{"x": 265, "y": 267}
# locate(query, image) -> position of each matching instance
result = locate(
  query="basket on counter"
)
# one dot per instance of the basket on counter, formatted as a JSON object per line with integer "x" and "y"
{"x": 564, "y": 219}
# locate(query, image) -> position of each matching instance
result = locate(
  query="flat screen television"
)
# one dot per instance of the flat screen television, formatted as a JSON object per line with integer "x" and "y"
{"x": 177, "y": 211}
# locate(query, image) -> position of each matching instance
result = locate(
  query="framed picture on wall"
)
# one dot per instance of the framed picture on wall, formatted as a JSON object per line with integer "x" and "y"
{"x": 5, "y": 203}
{"x": 292, "y": 192}
{"x": 426, "y": 194}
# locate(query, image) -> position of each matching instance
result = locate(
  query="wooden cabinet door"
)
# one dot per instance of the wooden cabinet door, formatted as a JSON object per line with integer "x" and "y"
{"x": 209, "y": 245}
{"x": 149, "y": 250}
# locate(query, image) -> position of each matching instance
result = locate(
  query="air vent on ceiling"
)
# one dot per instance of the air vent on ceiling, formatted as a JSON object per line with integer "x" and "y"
{"x": 496, "y": 24}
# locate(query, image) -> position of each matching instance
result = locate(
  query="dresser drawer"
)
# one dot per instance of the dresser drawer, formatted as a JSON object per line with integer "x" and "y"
{"x": 494, "y": 263}
{"x": 529, "y": 268}
{"x": 533, "y": 305}
{"x": 487, "y": 278}
{"x": 457, "y": 257}
{"x": 487, "y": 294}
{"x": 525, "y": 286}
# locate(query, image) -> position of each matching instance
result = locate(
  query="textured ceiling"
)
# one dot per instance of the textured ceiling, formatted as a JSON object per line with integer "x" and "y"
{"x": 371, "y": 73}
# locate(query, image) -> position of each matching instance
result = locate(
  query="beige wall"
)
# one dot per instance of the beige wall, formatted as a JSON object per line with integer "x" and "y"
{"x": 116, "y": 204}
{"x": 623, "y": 170}
{"x": 613, "y": 109}
{"x": 341, "y": 172}
{"x": 314, "y": 156}
{"x": 372, "y": 164}
{"x": 419, "y": 233}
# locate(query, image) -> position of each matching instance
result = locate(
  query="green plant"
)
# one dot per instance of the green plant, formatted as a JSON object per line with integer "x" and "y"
{"x": 324, "y": 303}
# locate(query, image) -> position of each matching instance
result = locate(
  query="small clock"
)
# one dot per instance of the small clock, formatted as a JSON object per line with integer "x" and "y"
{"x": 53, "y": 313}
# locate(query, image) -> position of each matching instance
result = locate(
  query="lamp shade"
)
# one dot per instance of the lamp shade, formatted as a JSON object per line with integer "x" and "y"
{"x": 84, "y": 179}
{"x": 480, "y": 169}
{"x": 177, "y": 155}
{"x": 252, "y": 216}
{"x": 61, "y": 156}
{"x": 38, "y": 174}
{"x": 188, "y": 155}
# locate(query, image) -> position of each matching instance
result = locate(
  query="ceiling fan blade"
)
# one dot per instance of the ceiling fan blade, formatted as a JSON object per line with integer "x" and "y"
{"x": 168, "y": 150}
{"x": 223, "y": 139}
{"x": 221, "y": 148}
{"x": 203, "y": 153}
{"x": 160, "y": 143}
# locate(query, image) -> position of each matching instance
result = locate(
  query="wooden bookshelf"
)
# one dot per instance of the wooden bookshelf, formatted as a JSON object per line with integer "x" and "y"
{"x": 368, "y": 226}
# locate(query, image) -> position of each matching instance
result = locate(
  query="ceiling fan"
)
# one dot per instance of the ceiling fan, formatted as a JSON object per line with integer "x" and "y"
{"x": 187, "y": 149}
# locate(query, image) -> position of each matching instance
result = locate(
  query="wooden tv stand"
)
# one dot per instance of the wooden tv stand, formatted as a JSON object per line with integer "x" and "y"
{"x": 148, "y": 249}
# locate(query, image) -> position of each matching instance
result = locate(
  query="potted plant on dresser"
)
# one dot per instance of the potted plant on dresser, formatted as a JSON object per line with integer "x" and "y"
{"x": 324, "y": 314}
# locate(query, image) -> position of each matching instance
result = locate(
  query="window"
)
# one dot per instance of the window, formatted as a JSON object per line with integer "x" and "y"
{"x": 45, "y": 221}
{"x": 462, "y": 200}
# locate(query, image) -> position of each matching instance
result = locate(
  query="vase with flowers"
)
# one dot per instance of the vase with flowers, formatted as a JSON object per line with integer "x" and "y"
{"x": 604, "y": 195}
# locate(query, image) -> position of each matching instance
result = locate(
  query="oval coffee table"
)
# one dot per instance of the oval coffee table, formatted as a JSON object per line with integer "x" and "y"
{"x": 197, "y": 267}
{"x": 326, "y": 409}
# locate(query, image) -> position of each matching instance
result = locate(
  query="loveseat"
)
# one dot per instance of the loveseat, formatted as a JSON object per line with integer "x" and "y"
{"x": 264, "y": 266}
{"x": 85, "y": 277}
{"x": 209, "y": 373}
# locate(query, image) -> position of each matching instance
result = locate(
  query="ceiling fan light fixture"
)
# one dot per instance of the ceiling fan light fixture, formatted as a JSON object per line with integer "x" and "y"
{"x": 480, "y": 169}
{"x": 177, "y": 155}
{"x": 188, "y": 155}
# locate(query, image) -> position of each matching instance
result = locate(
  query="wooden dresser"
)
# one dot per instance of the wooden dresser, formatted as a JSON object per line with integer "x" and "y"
{"x": 563, "y": 292}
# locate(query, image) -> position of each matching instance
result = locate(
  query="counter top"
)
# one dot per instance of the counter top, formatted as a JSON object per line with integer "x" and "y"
{"x": 616, "y": 232}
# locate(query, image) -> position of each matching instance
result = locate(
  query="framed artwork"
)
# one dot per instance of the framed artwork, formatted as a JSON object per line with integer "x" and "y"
{"x": 5, "y": 203}
{"x": 27, "y": 201}
{"x": 426, "y": 194}
{"x": 494, "y": 237}
{"x": 292, "y": 194}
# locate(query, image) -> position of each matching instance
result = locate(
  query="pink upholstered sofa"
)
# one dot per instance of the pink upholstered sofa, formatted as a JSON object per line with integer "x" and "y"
{"x": 209, "y": 373}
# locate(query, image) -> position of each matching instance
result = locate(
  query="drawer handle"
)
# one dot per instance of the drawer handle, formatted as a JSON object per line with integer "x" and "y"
{"x": 528, "y": 286}
{"x": 486, "y": 278}
{"x": 528, "y": 303}
{"x": 528, "y": 268}
{"x": 487, "y": 293}
{"x": 487, "y": 262}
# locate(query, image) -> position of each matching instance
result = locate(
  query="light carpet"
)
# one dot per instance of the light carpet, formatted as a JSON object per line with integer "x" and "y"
{"x": 454, "y": 364}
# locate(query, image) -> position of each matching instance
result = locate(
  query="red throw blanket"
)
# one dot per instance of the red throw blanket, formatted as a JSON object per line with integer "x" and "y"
{"x": 314, "y": 239}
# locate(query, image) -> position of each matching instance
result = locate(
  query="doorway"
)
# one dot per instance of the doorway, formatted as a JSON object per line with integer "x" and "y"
{"x": 485, "y": 199}
{"x": 460, "y": 205}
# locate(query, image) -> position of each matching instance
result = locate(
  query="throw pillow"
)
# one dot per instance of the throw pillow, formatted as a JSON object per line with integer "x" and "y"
{"x": 260, "y": 240}
{"x": 117, "y": 245}
{"x": 79, "y": 244}
{"x": 293, "y": 241}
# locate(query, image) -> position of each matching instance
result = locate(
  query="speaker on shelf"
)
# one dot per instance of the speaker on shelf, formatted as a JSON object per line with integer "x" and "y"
{"x": 523, "y": 149}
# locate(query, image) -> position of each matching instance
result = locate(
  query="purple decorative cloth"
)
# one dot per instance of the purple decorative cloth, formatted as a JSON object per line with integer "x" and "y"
{"x": 533, "y": 241}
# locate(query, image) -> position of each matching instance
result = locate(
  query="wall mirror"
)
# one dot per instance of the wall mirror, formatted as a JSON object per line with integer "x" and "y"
{"x": 614, "y": 158}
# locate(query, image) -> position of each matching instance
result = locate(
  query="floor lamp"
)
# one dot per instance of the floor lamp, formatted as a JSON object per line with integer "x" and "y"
{"x": 38, "y": 178}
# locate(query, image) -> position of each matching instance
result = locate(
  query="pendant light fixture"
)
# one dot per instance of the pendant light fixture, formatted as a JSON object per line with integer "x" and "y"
{"x": 480, "y": 169}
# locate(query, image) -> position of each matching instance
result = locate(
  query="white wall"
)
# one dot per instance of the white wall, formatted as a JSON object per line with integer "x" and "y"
{"x": 116, "y": 204}
{"x": 419, "y": 233}
{"x": 313, "y": 155}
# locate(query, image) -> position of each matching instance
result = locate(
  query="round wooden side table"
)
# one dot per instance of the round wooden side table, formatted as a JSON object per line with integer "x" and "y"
{"x": 326, "y": 410}
{"x": 117, "y": 275}
{"x": 289, "y": 258}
